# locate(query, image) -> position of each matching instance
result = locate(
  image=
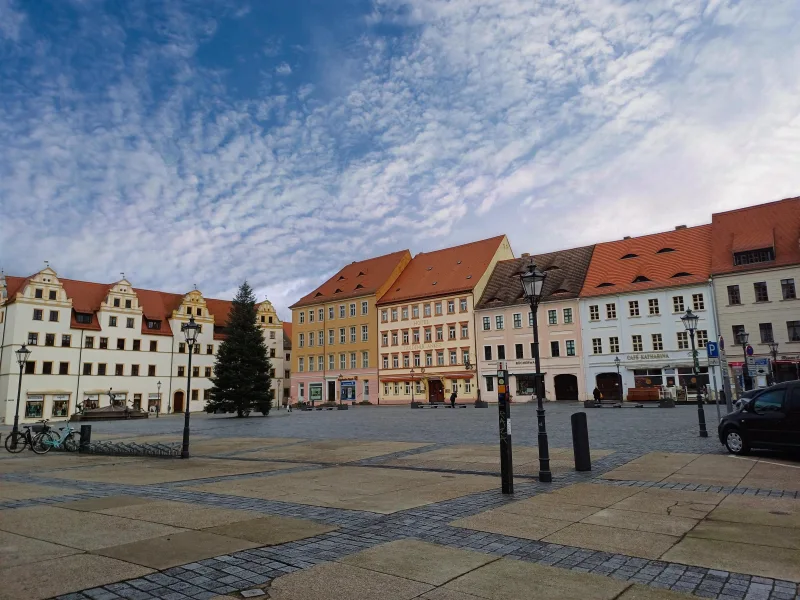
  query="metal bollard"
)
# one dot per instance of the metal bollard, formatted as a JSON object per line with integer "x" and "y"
{"x": 580, "y": 442}
{"x": 86, "y": 438}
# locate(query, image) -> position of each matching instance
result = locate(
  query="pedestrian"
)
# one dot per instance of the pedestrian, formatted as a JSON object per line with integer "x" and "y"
{"x": 597, "y": 395}
{"x": 453, "y": 397}
{"x": 158, "y": 410}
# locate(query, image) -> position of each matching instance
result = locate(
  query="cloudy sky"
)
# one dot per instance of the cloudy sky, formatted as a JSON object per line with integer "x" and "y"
{"x": 205, "y": 141}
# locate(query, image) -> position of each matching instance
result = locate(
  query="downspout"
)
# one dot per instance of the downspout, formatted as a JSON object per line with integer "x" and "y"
{"x": 474, "y": 342}
{"x": 325, "y": 351}
{"x": 80, "y": 358}
{"x": 726, "y": 381}
{"x": 2, "y": 346}
{"x": 171, "y": 359}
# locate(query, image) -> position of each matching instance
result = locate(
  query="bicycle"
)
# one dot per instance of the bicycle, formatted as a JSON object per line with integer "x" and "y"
{"x": 66, "y": 439}
{"x": 16, "y": 443}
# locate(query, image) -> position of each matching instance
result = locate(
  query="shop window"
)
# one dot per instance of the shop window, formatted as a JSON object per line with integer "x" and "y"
{"x": 647, "y": 378}
{"x": 34, "y": 407}
{"x": 60, "y": 407}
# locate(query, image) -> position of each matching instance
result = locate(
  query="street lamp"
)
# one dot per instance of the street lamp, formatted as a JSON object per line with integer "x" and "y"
{"x": 690, "y": 323}
{"x": 22, "y": 359}
{"x": 617, "y": 362}
{"x": 412, "y": 387}
{"x": 532, "y": 284}
{"x": 742, "y": 338}
{"x": 158, "y": 406}
{"x": 190, "y": 331}
{"x": 773, "y": 349}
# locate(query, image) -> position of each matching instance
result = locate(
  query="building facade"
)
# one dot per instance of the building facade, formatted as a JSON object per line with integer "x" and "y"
{"x": 427, "y": 323}
{"x": 335, "y": 332}
{"x": 505, "y": 327}
{"x": 634, "y": 295}
{"x": 756, "y": 273}
{"x": 91, "y": 340}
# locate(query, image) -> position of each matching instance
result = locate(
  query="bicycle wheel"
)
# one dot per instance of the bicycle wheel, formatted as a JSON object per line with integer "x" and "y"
{"x": 44, "y": 442}
{"x": 16, "y": 442}
{"x": 73, "y": 442}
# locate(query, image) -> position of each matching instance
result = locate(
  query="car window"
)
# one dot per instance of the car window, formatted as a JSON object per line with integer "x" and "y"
{"x": 771, "y": 400}
{"x": 795, "y": 404}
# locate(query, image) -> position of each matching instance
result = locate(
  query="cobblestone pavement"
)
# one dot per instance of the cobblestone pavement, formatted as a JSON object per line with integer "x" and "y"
{"x": 630, "y": 432}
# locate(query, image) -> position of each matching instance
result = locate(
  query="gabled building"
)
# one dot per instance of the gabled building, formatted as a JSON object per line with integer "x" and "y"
{"x": 634, "y": 295}
{"x": 89, "y": 338}
{"x": 755, "y": 264}
{"x": 505, "y": 327}
{"x": 335, "y": 332}
{"x": 426, "y": 323}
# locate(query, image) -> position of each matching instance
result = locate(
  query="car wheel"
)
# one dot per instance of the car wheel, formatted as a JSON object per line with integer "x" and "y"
{"x": 735, "y": 442}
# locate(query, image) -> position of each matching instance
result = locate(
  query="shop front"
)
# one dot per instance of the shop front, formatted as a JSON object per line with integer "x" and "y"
{"x": 347, "y": 390}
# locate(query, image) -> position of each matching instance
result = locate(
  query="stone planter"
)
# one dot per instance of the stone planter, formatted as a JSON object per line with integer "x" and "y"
{"x": 481, "y": 404}
{"x": 342, "y": 407}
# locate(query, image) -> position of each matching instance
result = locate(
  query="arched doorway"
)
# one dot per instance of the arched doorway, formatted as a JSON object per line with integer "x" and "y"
{"x": 566, "y": 387}
{"x": 177, "y": 402}
{"x": 610, "y": 385}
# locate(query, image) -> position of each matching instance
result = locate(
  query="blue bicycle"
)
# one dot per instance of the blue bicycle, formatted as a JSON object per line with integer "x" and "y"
{"x": 68, "y": 439}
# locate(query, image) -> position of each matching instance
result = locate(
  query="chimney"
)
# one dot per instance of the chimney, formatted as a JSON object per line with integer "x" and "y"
{"x": 627, "y": 237}
{"x": 679, "y": 227}
{"x": 525, "y": 255}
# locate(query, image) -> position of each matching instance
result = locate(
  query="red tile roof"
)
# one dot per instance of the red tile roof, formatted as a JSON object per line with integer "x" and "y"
{"x": 771, "y": 225}
{"x": 287, "y": 330}
{"x": 650, "y": 262}
{"x": 360, "y": 278}
{"x": 448, "y": 271}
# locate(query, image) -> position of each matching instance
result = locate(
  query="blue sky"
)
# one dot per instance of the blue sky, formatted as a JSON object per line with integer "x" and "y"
{"x": 206, "y": 142}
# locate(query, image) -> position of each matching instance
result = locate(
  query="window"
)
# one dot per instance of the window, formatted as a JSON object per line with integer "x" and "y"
{"x": 462, "y": 305}
{"x": 487, "y": 353}
{"x": 428, "y": 359}
{"x": 793, "y": 330}
{"x": 353, "y": 359}
{"x": 384, "y": 316}
{"x": 151, "y": 370}
{"x": 464, "y": 331}
{"x": 760, "y": 289}
{"x": 426, "y": 310}
{"x": 498, "y": 322}
{"x": 366, "y": 390}
{"x": 467, "y": 386}
{"x": 87, "y": 368}
{"x": 207, "y": 372}
{"x": 702, "y": 338}
{"x": 652, "y": 306}
{"x": 103, "y": 343}
{"x": 38, "y": 314}
{"x": 451, "y": 307}
{"x": 384, "y": 339}
{"x": 736, "y": 329}
{"x": 385, "y": 361}
{"x": 438, "y": 308}
{"x": 47, "y": 368}
{"x": 116, "y": 302}
{"x": 385, "y": 389}
{"x": 49, "y": 339}
{"x": 440, "y": 358}
{"x": 769, "y": 401}
{"x": 311, "y": 316}
{"x": 195, "y": 394}
{"x": 394, "y": 314}
{"x": 518, "y": 352}
{"x": 439, "y": 334}
{"x": 311, "y": 363}
{"x": 129, "y": 323}
{"x": 331, "y": 362}
{"x": 453, "y": 357}
{"x": 552, "y": 317}
{"x": 568, "y": 315}
{"x": 611, "y": 311}
{"x": 754, "y": 256}
{"x": 301, "y": 390}
{"x": 613, "y": 345}
{"x": 38, "y": 293}
{"x": 597, "y": 346}
{"x": 342, "y": 335}
{"x": 301, "y": 340}
{"x": 658, "y": 342}
{"x": 135, "y": 370}
{"x": 734, "y": 297}
{"x": 788, "y": 290}
{"x": 88, "y": 342}
{"x": 153, "y": 324}
{"x": 415, "y": 311}
{"x": 343, "y": 361}
{"x": 677, "y": 304}
{"x": 320, "y": 363}
{"x": 489, "y": 383}
{"x": 300, "y": 364}
{"x": 112, "y": 321}
{"x": 636, "y": 342}
{"x": 311, "y": 337}
{"x": 83, "y": 318}
{"x": 120, "y": 344}
{"x": 101, "y": 369}
{"x": 209, "y": 348}
{"x": 54, "y": 316}
{"x": 396, "y": 389}
{"x": 405, "y": 337}
{"x": 331, "y": 337}
{"x": 594, "y": 312}
{"x": 698, "y": 303}
{"x": 119, "y": 370}
{"x": 451, "y": 332}
{"x": 341, "y": 311}
{"x": 766, "y": 332}
{"x": 465, "y": 356}
{"x": 517, "y": 320}
{"x": 66, "y": 341}
{"x": 33, "y": 339}
{"x": 394, "y": 338}
{"x": 128, "y": 305}
{"x": 417, "y": 360}
{"x": 365, "y": 360}
{"x": 63, "y": 368}
{"x": 428, "y": 334}
{"x": 302, "y": 318}
{"x": 331, "y": 314}
{"x": 364, "y": 333}
{"x": 530, "y": 319}
{"x": 352, "y": 309}
{"x": 487, "y": 323}
{"x": 321, "y": 315}
{"x": 633, "y": 308}
{"x": 501, "y": 352}
{"x": 554, "y": 349}
{"x": 395, "y": 361}
{"x": 570, "y": 344}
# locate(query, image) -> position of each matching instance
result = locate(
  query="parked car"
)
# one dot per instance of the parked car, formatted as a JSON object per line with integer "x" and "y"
{"x": 770, "y": 418}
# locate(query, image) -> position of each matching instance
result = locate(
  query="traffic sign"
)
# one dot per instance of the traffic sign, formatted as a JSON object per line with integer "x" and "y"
{"x": 749, "y": 350}
{"x": 712, "y": 350}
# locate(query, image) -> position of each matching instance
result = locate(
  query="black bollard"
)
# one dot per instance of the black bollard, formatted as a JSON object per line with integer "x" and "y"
{"x": 580, "y": 442}
{"x": 86, "y": 438}
{"x": 504, "y": 408}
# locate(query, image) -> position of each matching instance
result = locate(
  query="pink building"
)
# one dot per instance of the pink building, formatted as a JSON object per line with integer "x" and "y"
{"x": 504, "y": 327}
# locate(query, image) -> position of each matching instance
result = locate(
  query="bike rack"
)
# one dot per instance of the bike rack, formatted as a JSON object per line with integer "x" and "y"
{"x": 172, "y": 450}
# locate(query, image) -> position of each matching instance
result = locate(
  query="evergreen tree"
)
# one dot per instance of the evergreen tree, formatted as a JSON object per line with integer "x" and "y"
{"x": 242, "y": 369}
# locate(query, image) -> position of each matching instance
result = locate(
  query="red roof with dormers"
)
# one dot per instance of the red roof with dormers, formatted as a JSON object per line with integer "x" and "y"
{"x": 672, "y": 258}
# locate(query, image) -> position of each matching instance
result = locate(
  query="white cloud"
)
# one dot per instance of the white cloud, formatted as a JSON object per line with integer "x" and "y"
{"x": 283, "y": 69}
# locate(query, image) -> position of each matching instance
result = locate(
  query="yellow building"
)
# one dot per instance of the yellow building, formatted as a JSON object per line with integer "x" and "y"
{"x": 335, "y": 332}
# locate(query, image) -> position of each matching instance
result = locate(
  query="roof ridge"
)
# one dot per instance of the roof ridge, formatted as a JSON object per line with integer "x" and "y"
{"x": 648, "y": 235}
{"x": 754, "y": 206}
{"x": 483, "y": 241}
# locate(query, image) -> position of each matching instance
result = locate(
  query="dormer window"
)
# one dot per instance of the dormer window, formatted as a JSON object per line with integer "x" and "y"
{"x": 629, "y": 256}
{"x": 338, "y": 291}
{"x": 116, "y": 302}
{"x": 341, "y": 278}
{"x": 83, "y": 318}
{"x": 605, "y": 284}
{"x": 682, "y": 274}
{"x": 754, "y": 256}
{"x": 640, "y": 279}
{"x": 188, "y": 310}
{"x": 552, "y": 268}
{"x": 663, "y": 250}
{"x": 359, "y": 286}
{"x": 153, "y": 324}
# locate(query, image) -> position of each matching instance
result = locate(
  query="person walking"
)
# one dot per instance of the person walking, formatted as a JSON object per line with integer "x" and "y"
{"x": 453, "y": 397}
{"x": 597, "y": 395}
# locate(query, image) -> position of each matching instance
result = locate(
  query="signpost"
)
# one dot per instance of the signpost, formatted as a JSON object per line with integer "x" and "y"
{"x": 504, "y": 408}
{"x": 712, "y": 350}
{"x": 726, "y": 375}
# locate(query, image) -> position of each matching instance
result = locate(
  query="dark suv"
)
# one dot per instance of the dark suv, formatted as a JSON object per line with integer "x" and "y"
{"x": 768, "y": 419}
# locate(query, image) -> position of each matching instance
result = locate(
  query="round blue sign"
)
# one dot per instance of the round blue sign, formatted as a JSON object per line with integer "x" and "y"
{"x": 749, "y": 350}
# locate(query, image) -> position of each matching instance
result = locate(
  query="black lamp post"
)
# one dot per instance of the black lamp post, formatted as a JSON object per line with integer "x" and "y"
{"x": 690, "y": 323}
{"x": 190, "y": 331}
{"x": 532, "y": 284}
{"x": 158, "y": 406}
{"x": 22, "y": 358}
{"x": 742, "y": 338}
{"x": 773, "y": 350}
{"x": 412, "y": 387}
{"x": 617, "y": 362}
